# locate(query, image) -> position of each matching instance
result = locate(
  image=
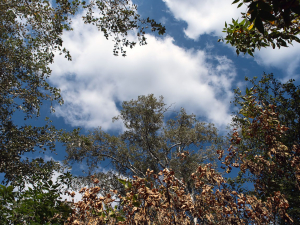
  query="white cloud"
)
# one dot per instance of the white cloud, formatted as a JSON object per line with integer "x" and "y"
{"x": 286, "y": 59}
{"x": 208, "y": 17}
{"x": 204, "y": 16}
{"x": 95, "y": 81}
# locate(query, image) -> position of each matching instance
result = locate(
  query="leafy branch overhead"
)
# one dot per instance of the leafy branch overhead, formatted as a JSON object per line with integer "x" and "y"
{"x": 116, "y": 19}
{"x": 265, "y": 23}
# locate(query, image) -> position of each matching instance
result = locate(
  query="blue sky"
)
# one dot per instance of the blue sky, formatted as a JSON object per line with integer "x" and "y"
{"x": 187, "y": 66}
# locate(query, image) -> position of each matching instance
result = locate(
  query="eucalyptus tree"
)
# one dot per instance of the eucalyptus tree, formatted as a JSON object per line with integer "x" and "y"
{"x": 30, "y": 35}
{"x": 149, "y": 142}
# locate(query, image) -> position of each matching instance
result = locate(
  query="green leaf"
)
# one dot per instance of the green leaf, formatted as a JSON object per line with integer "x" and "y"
{"x": 122, "y": 181}
{"x": 250, "y": 52}
{"x": 282, "y": 42}
{"x": 259, "y": 25}
{"x": 247, "y": 91}
{"x": 235, "y": 1}
{"x": 273, "y": 45}
{"x": 135, "y": 197}
{"x": 127, "y": 184}
{"x": 120, "y": 218}
{"x": 136, "y": 203}
{"x": 265, "y": 15}
{"x": 243, "y": 22}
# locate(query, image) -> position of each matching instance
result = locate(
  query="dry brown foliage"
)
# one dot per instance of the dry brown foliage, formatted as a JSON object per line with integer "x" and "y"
{"x": 161, "y": 199}
{"x": 274, "y": 157}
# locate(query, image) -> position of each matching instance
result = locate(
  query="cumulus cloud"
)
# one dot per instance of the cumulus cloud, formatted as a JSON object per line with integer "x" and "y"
{"x": 95, "y": 82}
{"x": 204, "y": 16}
{"x": 286, "y": 59}
{"x": 208, "y": 17}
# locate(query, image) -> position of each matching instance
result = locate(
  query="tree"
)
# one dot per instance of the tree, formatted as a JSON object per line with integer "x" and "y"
{"x": 30, "y": 33}
{"x": 266, "y": 23}
{"x": 149, "y": 142}
{"x": 268, "y": 125}
{"x": 35, "y": 199}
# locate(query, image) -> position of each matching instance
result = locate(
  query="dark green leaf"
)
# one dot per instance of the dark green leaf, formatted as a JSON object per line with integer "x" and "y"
{"x": 259, "y": 25}
{"x": 136, "y": 203}
{"x": 120, "y": 218}
{"x": 265, "y": 15}
{"x": 250, "y": 52}
{"x": 264, "y": 6}
{"x": 296, "y": 10}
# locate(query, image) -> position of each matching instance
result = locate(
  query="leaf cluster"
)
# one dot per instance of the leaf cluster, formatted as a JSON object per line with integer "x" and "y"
{"x": 35, "y": 200}
{"x": 30, "y": 33}
{"x": 265, "y": 23}
{"x": 161, "y": 199}
{"x": 116, "y": 19}
{"x": 268, "y": 135}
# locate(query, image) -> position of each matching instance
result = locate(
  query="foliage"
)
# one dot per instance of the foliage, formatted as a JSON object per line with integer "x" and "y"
{"x": 166, "y": 159}
{"x": 286, "y": 98}
{"x": 266, "y": 23}
{"x": 161, "y": 199}
{"x": 117, "y": 19}
{"x": 109, "y": 180}
{"x": 35, "y": 200}
{"x": 267, "y": 140}
{"x": 181, "y": 143}
{"x": 16, "y": 141}
{"x": 30, "y": 35}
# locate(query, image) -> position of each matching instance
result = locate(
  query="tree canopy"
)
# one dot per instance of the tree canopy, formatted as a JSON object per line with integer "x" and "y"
{"x": 265, "y": 23}
{"x": 148, "y": 142}
{"x": 168, "y": 164}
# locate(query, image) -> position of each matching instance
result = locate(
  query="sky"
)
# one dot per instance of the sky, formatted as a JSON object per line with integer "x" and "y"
{"x": 187, "y": 66}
